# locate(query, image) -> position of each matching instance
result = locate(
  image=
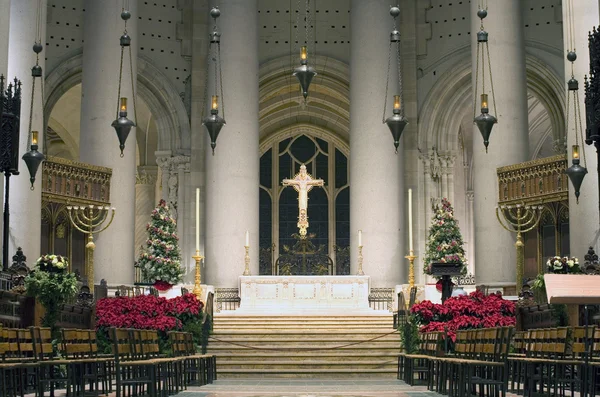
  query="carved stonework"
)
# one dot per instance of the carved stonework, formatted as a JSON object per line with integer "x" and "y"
{"x": 144, "y": 177}
{"x": 170, "y": 169}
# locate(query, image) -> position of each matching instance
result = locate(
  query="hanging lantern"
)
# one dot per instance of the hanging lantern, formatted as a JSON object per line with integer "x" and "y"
{"x": 122, "y": 124}
{"x": 33, "y": 158}
{"x": 214, "y": 123}
{"x": 304, "y": 73}
{"x": 485, "y": 121}
{"x": 575, "y": 172}
{"x": 397, "y": 122}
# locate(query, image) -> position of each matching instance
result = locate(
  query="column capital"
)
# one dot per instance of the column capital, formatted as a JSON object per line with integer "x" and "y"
{"x": 146, "y": 175}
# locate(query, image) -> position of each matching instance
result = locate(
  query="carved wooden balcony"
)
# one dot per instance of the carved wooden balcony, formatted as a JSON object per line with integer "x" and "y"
{"x": 534, "y": 182}
{"x": 71, "y": 182}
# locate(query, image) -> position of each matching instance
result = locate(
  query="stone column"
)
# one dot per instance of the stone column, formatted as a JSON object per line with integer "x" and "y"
{"x": 145, "y": 183}
{"x": 583, "y": 217}
{"x": 376, "y": 172}
{"x": 495, "y": 259}
{"x": 163, "y": 160}
{"x": 114, "y": 255}
{"x": 4, "y": 32}
{"x": 25, "y": 204}
{"x": 232, "y": 174}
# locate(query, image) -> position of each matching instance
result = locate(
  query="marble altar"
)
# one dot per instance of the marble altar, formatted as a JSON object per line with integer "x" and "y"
{"x": 304, "y": 294}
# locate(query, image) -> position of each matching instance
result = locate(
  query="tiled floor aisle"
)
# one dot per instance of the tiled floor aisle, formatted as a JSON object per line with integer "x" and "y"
{"x": 308, "y": 388}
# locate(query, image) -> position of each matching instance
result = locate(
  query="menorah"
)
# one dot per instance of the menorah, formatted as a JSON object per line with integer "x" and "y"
{"x": 519, "y": 219}
{"x": 89, "y": 220}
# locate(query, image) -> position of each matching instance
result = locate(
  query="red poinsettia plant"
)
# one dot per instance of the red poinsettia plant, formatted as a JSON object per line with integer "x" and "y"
{"x": 475, "y": 310}
{"x": 147, "y": 312}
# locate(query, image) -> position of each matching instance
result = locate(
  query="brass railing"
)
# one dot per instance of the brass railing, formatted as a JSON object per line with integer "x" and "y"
{"x": 533, "y": 182}
{"x": 67, "y": 181}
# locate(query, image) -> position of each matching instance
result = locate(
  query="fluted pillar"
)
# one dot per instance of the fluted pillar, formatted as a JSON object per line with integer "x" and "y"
{"x": 232, "y": 174}
{"x": 495, "y": 258}
{"x": 25, "y": 204}
{"x": 376, "y": 172}
{"x": 583, "y": 217}
{"x": 114, "y": 255}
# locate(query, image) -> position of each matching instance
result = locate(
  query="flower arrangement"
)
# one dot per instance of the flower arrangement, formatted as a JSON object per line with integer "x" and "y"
{"x": 51, "y": 285}
{"x": 52, "y": 263}
{"x": 475, "y": 310}
{"x": 564, "y": 265}
{"x": 148, "y": 312}
{"x": 445, "y": 243}
{"x": 160, "y": 261}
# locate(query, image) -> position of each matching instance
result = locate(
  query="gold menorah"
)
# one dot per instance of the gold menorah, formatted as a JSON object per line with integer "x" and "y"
{"x": 89, "y": 220}
{"x": 519, "y": 219}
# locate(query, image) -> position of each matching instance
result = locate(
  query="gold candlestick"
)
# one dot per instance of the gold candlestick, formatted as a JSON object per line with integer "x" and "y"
{"x": 89, "y": 220}
{"x": 360, "y": 261}
{"x": 411, "y": 268}
{"x": 198, "y": 278}
{"x": 247, "y": 260}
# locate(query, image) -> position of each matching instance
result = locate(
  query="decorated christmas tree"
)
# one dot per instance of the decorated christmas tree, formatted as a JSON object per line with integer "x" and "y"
{"x": 160, "y": 261}
{"x": 445, "y": 243}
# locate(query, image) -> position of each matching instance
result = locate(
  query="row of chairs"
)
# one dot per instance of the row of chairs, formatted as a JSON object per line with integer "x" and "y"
{"x": 136, "y": 367}
{"x": 557, "y": 361}
{"x": 478, "y": 365}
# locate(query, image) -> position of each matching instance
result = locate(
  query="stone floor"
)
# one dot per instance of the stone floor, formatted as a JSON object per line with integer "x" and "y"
{"x": 308, "y": 388}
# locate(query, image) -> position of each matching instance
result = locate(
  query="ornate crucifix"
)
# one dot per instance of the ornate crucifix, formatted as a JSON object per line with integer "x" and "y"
{"x": 303, "y": 183}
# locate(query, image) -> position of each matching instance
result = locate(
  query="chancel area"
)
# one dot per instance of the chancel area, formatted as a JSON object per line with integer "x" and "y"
{"x": 266, "y": 172}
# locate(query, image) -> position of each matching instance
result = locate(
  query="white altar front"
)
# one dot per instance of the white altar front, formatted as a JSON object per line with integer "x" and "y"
{"x": 304, "y": 295}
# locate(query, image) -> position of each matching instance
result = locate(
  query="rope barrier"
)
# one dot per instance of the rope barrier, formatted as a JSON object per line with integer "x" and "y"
{"x": 311, "y": 349}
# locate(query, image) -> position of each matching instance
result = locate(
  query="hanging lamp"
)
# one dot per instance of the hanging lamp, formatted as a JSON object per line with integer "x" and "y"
{"x": 575, "y": 172}
{"x": 397, "y": 122}
{"x": 305, "y": 73}
{"x": 214, "y": 123}
{"x": 485, "y": 121}
{"x": 122, "y": 124}
{"x": 33, "y": 158}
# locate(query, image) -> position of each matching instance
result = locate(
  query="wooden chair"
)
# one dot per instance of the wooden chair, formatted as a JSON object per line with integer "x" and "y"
{"x": 133, "y": 374}
{"x": 11, "y": 379}
{"x": 49, "y": 367}
{"x": 419, "y": 365}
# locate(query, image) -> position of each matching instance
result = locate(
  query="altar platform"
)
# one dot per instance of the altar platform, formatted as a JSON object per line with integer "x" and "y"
{"x": 304, "y": 295}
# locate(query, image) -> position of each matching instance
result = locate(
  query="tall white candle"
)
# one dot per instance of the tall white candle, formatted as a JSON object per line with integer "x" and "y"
{"x": 247, "y": 238}
{"x": 197, "y": 219}
{"x": 410, "y": 231}
{"x": 360, "y": 238}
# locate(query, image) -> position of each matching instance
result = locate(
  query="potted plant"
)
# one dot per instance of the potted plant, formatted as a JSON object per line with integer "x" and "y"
{"x": 445, "y": 255}
{"x": 52, "y": 285}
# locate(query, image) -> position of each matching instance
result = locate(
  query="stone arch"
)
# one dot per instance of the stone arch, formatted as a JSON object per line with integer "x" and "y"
{"x": 153, "y": 87}
{"x": 452, "y": 96}
{"x": 282, "y": 106}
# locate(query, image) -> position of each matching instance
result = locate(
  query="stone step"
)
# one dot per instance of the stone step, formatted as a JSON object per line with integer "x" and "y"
{"x": 301, "y": 319}
{"x": 292, "y": 357}
{"x": 390, "y": 365}
{"x": 337, "y": 373}
{"x": 290, "y": 333}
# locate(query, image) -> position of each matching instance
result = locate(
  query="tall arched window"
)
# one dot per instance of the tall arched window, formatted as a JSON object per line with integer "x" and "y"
{"x": 328, "y": 207}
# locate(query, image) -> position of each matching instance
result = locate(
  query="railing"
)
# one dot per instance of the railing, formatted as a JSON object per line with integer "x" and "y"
{"x": 381, "y": 299}
{"x": 67, "y": 181}
{"x": 227, "y": 299}
{"x": 534, "y": 181}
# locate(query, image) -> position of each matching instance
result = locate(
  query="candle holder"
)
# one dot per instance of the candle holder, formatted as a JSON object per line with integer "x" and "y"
{"x": 247, "y": 260}
{"x": 411, "y": 268}
{"x": 360, "y": 261}
{"x": 89, "y": 220}
{"x": 198, "y": 278}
